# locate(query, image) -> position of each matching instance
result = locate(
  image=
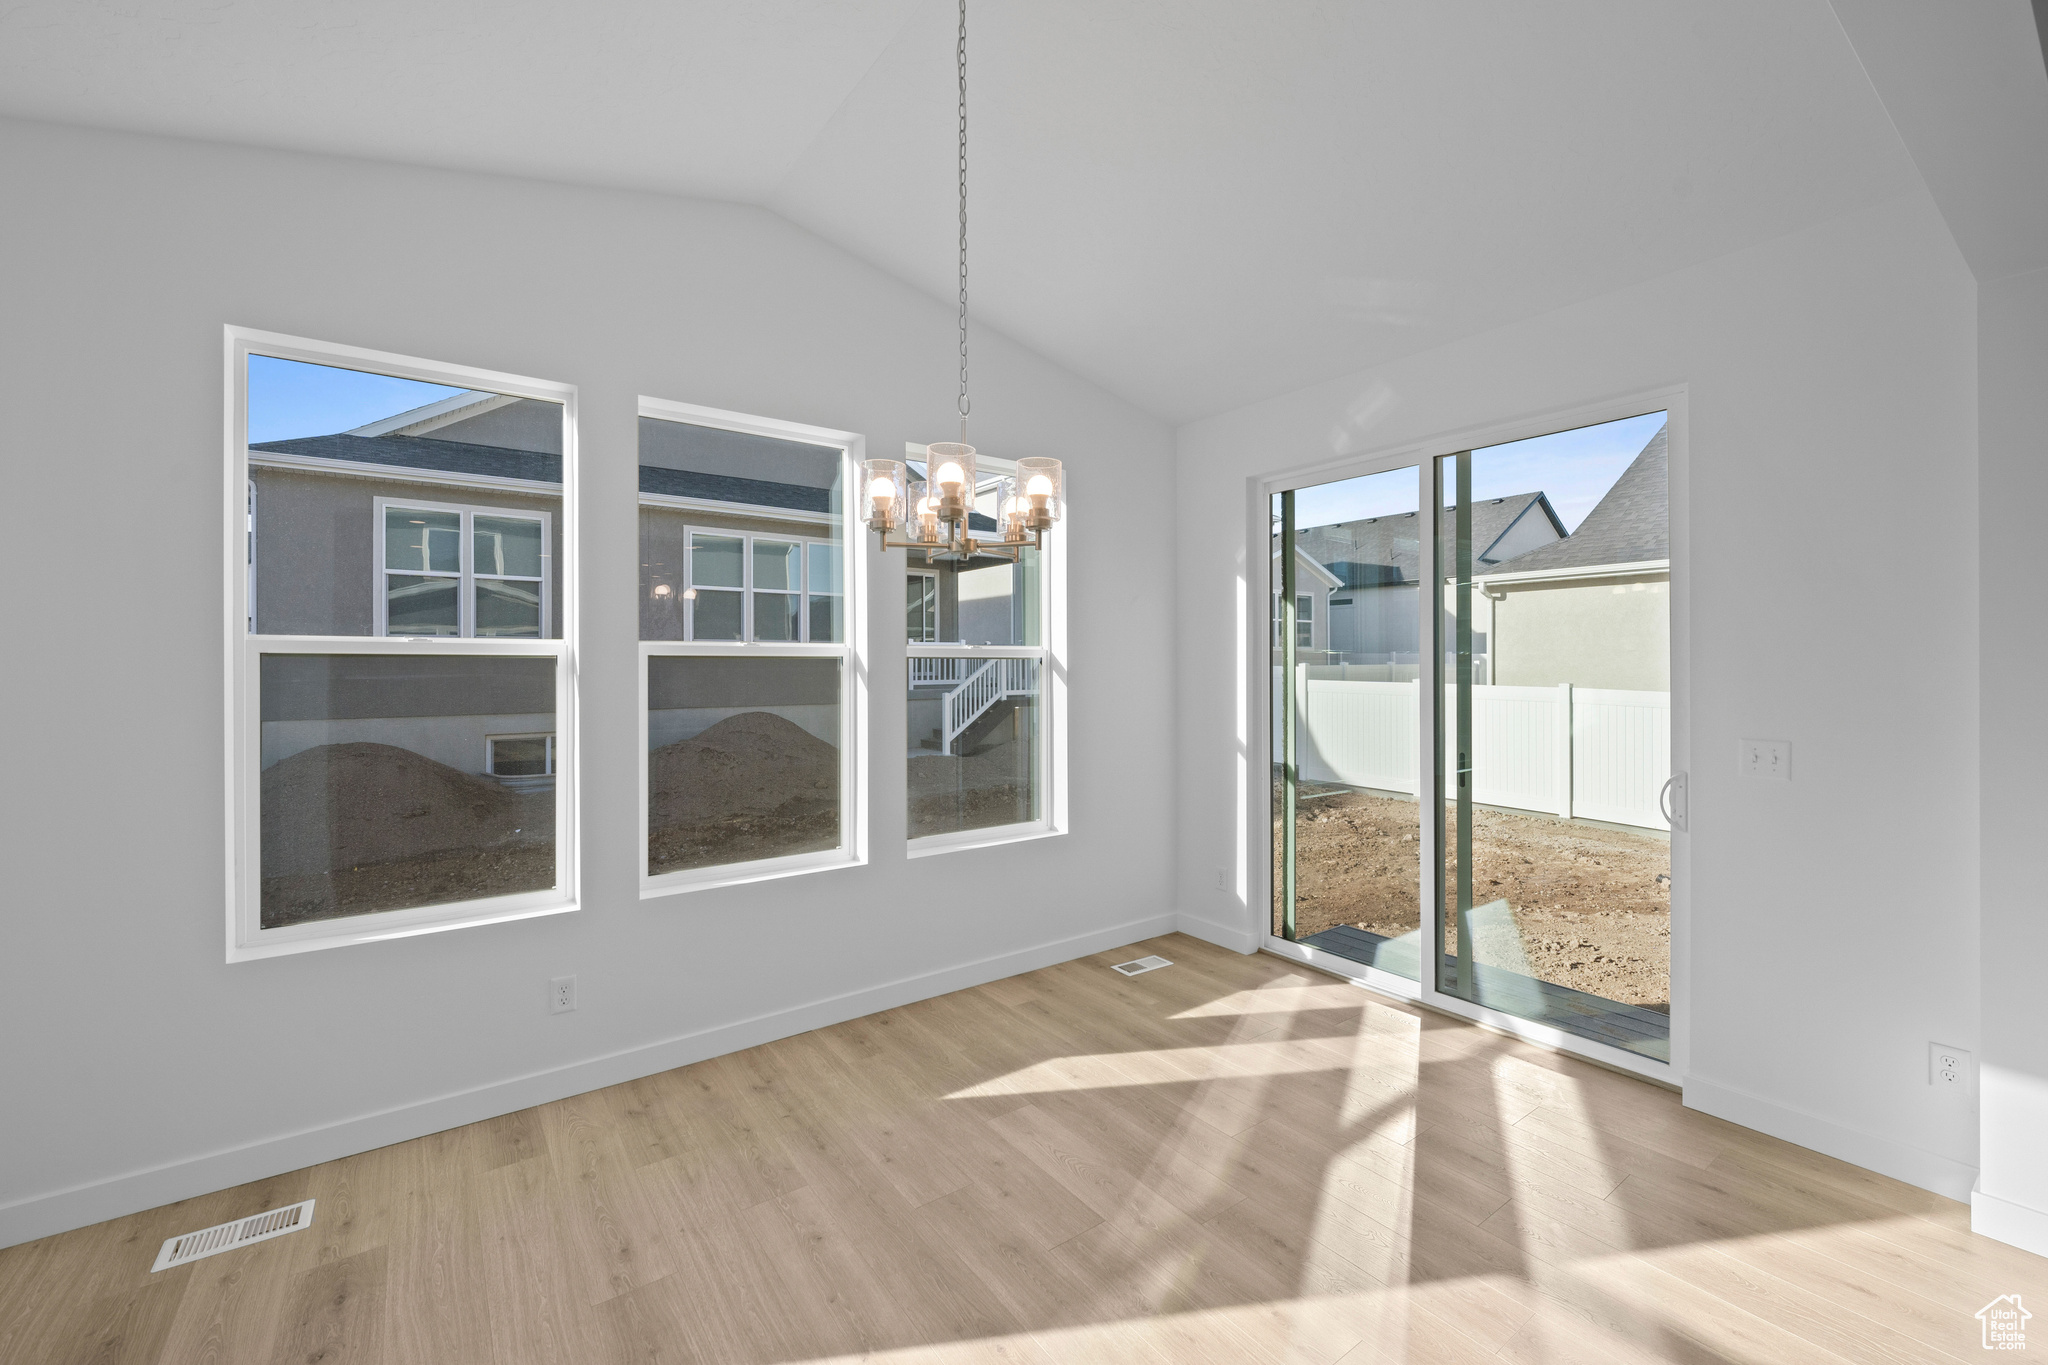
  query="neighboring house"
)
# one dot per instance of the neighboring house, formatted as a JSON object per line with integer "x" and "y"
{"x": 1313, "y": 586}
{"x": 984, "y": 601}
{"x": 1372, "y": 609}
{"x": 369, "y": 531}
{"x": 446, "y": 521}
{"x": 1593, "y": 609}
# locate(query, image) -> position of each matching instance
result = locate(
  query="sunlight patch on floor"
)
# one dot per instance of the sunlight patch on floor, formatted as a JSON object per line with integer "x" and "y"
{"x": 1214, "y": 1062}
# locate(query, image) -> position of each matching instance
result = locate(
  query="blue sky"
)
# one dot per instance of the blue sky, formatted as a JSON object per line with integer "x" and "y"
{"x": 1574, "y": 467}
{"x": 290, "y": 398}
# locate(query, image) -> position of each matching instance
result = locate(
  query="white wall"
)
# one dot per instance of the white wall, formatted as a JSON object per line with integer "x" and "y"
{"x": 1831, "y": 378}
{"x": 138, "y": 1066}
{"x": 2012, "y": 1202}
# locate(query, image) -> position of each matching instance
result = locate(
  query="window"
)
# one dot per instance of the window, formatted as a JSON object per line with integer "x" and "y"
{"x": 922, "y": 607}
{"x": 402, "y": 691}
{"x": 478, "y": 572}
{"x": 754, "y": 587}
{"x": 519, "y": 756}
{"x": 750, "y": 739}
{"x": 981, "y": 688}
{"x": 1304, "y": 621}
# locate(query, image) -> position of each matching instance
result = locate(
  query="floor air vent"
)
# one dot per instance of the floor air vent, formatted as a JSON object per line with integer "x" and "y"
{"x": 191, "y": 1246}
{"x": 1142, "y": 965}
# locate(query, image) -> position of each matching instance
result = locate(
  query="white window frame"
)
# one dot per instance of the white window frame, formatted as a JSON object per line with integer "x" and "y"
{"x": 491, "y": 751}
{"x": 933, "y": 580}
{"x": 465, "y": 575}
{"x": 243, "y": 652}
{"x": 1052, "y": 685}
{"x": 851, "y": 652}
{"x": 746, "y": 590}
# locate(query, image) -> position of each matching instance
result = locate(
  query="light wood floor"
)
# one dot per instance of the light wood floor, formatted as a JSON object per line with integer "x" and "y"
{"x": 1234, "y": 1159}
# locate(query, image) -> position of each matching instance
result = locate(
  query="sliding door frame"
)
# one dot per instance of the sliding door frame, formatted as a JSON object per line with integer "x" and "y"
{"x": 1257, "y": 721}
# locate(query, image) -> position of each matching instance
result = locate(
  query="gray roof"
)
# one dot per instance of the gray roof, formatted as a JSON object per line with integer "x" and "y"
{"x": 1381, "y": 551}
{"x": 464, "y": 457}
{"x": 425, "y": 452}
{"x": 1632, "y": 523}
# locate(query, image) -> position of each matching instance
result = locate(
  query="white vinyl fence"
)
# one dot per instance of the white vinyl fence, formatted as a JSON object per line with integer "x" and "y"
{"x": 1595, "y": 753}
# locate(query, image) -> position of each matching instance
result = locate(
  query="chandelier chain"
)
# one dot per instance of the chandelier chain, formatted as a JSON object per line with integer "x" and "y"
{"x": 961, "y": 54}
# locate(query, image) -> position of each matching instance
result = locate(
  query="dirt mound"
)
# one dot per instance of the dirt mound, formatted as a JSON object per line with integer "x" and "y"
{"x": 356, "y": 828}
{"x": 355, "y": 805}
{"x": 752, "y": 786}
{"x": 747, "y": 764}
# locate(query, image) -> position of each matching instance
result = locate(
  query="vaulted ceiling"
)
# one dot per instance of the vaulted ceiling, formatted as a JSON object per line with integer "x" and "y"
{"x": 1196, "y": 203}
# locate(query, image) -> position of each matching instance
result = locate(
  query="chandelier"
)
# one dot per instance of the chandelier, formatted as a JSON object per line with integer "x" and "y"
{"x": 933, "y": 513}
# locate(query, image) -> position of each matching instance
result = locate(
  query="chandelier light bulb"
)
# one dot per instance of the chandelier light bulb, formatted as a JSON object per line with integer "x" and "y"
{"x": 882, "y": 492}
{"x": 950, "y": 475}
{"x": 1040, "y": 486}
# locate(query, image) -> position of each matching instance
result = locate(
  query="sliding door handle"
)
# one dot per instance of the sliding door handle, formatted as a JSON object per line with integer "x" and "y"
{"x": 1674, "y": 813}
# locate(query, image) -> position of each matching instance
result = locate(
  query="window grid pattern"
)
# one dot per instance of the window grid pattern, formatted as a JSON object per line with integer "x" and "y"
{"x": 453, "y": 571}
{"x": 762, "y": 588}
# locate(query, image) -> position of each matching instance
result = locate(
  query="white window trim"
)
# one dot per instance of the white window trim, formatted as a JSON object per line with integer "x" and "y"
{"x": 243, "y": 652}
{"x": 852, "y": 652}
{"x": 491, "y": 750}
{"x": 933, "y": 579}
{"x": 466, "y": 574}
{"x": 746, "y": 590}
{"x": 1052, "y": 700}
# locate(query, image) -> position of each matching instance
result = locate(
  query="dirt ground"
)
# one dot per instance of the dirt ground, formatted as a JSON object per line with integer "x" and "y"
{"x": 350, "y": 829}
{"x": 1590, "y": 904}
{"x": 752, "y": 786}
{"x": 989, "y": 785}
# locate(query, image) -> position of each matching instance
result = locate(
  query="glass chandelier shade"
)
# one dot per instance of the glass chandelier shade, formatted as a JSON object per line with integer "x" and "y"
{"x": 885, "y": 497}
{"x": 1041, "y": 486}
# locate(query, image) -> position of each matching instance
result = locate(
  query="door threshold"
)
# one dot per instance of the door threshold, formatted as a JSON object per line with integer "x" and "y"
{"x": 1408, "y": 992}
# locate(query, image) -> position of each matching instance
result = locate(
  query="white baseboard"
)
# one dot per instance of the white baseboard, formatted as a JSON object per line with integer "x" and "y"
{"x": 1236, "y": 938}
{"x": 2015, "y": 1224}
{"x": 82, "y": 1205}
{"x": 1887, "y": 1156}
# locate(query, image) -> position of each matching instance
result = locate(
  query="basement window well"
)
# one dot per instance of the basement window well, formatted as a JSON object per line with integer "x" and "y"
{"x": 398, "y": 575}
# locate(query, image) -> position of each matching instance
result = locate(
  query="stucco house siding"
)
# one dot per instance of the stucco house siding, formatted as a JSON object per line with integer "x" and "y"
{"x": 318, "y": 548}
{"x": 1606, "y": 632}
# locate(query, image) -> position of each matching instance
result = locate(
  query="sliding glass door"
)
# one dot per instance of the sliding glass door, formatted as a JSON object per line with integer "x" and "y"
{"x": 1348, "y": 576}
{"x": 1554, "y": 738}
{"x": 1530, "y": 870}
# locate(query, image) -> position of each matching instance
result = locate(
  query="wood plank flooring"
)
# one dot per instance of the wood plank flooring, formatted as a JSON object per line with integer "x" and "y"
{"x": 1234, "y": 1159}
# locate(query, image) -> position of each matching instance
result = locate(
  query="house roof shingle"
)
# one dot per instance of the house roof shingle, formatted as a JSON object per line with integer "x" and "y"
{"x": 1631, "y": 524}
{"x": 425, "y": 452}
{"x": 463, "y": 457}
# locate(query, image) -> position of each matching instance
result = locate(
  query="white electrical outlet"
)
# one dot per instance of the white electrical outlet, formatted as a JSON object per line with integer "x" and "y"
{"x": 561, "y": 995}
{"x": 1766, "y": 758}
{"x": 1948, "y": 1067}
{"x": 1222, "y": 879}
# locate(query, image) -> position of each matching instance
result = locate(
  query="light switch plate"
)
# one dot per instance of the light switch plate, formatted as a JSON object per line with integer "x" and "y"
{"x": 1770, "y": 759}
